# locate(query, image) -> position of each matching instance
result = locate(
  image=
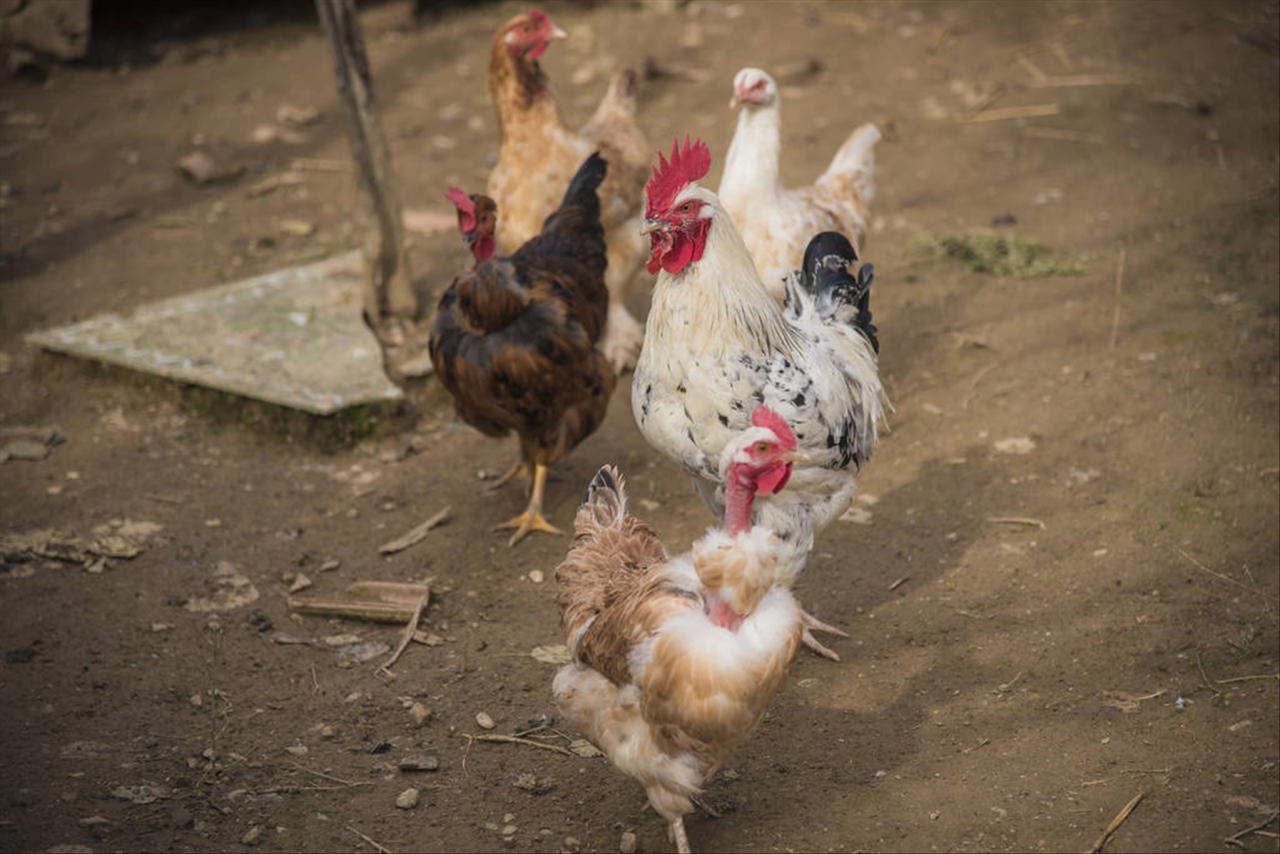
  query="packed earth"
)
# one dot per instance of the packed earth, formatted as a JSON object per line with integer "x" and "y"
{"x": 1059, "y": 576}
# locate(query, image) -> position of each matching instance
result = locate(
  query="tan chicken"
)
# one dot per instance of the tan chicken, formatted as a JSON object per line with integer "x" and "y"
{"x": 776, "y": 223}
{"x": 676, "y": 659}
{"x": 537, "y": 156}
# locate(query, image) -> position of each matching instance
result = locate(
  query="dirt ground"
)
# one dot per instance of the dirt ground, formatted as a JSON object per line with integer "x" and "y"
{"x": 1007, "y": 685}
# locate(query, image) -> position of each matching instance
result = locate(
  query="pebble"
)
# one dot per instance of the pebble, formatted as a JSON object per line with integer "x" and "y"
{"x": 536, "y": 576}
{"x": 428, "y": 761}
{"x": 327, "y": 731}
{"x": 510, "y": 830}
{"x": 196, "y": 700}
{"x": 627, "y": 844}
{"x": 419, "y": 714}
{"x": 573, "y": 843}
{"x": 297, "y": 750}
{"x": 251, "y": 836}
{"x": 408, "y": 799}
{"x": 484, "y": 721}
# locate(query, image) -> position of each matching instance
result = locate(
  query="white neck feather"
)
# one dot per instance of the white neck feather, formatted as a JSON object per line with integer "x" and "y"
{"x": 720, "y": 296}
{"x": 751, "y": 167}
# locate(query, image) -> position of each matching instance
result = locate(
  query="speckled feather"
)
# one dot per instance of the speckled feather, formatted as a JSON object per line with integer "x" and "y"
{"x": 717, "y": 345}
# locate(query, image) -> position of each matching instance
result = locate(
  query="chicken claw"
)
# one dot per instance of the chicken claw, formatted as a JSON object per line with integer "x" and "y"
{"x": 517, "y": 469}
{"x": 623, "y": 336}
{"x": 531, "y": 519}
{"x": 813, "y": 624}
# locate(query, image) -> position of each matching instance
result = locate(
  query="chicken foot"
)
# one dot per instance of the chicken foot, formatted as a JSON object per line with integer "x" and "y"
{"x": 531, "y": 519}
{"x": 813, "y": 624}
{"x": 623, "y": 336}
{"x": 518, "y": 469}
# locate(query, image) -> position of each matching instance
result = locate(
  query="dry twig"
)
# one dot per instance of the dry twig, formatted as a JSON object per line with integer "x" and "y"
{"x": 1115, "y": 822}
{"x": 409, "y": 629}
{"x": 1115, "y": 319}
{"x": 347, "y": 783}
{"x": 1255, "y": 591}
{"x": 414, "y": 536}
{"x": 1032, "y": 111}
{"x": 511, "y": 739}
{"x": 381, "y": 849}
{"x": 1017, "y": 520}
{"x": 1234, "y": 839}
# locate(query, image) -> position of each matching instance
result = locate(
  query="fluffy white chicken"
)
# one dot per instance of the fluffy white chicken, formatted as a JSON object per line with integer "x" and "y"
{"x": 676, "y": 659}
{"x": 776, "y": 223}
{"x": 717, "y": 345}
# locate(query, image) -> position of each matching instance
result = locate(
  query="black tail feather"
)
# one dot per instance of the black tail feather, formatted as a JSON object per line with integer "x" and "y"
{"x": 838, "y": 293}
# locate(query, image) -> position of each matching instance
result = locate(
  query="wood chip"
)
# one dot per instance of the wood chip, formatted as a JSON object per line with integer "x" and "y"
{"x": 416, "y": 535}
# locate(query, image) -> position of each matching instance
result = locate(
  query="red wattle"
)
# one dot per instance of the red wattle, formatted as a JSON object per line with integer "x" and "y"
{"x": 772, "y": 481}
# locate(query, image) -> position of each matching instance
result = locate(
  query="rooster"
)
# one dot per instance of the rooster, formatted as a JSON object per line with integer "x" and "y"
{"x": 537, "y": 154}
{"x": 676, "y": 659}
{"x": 514, "y": 340}
{"x": 717, "y": 345}
{"x": 775, "y": 222}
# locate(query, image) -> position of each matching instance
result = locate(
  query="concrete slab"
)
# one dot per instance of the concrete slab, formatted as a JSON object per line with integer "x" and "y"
{"x": 294, "y": 337}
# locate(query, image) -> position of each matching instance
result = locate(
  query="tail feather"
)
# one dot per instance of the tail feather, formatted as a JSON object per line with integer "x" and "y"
{"x": 856, "y": 159}
{"x": 837, "y": 293}
{"x": 605, "y": 504}
{"x": 582, "y": 188}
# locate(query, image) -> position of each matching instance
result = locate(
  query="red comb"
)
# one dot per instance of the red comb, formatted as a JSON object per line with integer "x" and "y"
{"x": 538, "y": 16}
{"x": 463, "y": 203}
{"x": 670, "y": 178}
{"x": 766, "y": 417}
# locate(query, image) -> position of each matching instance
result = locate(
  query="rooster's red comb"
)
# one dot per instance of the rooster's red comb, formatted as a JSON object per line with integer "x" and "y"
{"x": 463, "y": 203}
{"x": 539, "y": 17}
{"x": 766, "y": 417}
{"x": 670, "y": 178}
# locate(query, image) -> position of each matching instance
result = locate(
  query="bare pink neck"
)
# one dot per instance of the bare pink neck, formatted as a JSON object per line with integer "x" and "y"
{"x": 739, "y": 494}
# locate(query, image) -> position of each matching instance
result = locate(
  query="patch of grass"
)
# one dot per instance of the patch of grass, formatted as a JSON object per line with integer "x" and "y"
{"x": 998, "y": 254}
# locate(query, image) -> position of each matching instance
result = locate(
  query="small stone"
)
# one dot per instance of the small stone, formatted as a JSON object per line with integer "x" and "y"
{"x": 1239, "y": 725}
{"x": 508, "y": 818}
{"x": 213, "y": 523}
{"x": 296, "y": 750}
{"x": 510, "y": 830}
{"x": 545, "y": 833}
{"x": 251, "y": 836}
{"x": 330, "y": 565}
{"x": 536, "y": 576}
{"x": 408, "y": 799}
{"x": 327, "y": 732}
{"x": 427, "y": 761}
{"x": 300, "y": 582}
{"x": 352, "y": 697}
{"x": 419, "y": 714}
{"x": 196, "y": 700}
{"x": 627, "y": 844}
{"x": 484, "y": 721}
{"x": 573, "y": 843}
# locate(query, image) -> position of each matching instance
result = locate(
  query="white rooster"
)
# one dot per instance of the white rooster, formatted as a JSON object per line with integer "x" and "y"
{"x": 776, "y": 223}
{"x": 717, "y": 345}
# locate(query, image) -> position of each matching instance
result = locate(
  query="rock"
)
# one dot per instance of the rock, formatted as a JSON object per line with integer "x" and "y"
{"x": 510, "y": 830}
{"x": 327, "y": 732}
{"x": 419, "y": 714}
{"x": 573, "y": 843}
{"x": 200, "y": 168}
{"x": 300, "y": 582}
{"x": 330, "y": 565}
{"x": 196, "y": 700}
{"x": 296, "y": 749}
{"x": 627, "y": 844}
{"x": 408, "y": 799}
{"x": 252, "y": 836}
{"x": 57, "y": 27}
{"x": 484, "y": 721}
{"x": 426, "y": 761}
{"x": 361, "y": 652}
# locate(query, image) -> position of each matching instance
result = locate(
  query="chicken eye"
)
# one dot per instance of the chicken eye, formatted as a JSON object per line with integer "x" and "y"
{"x": 761, "y": 447}
{"x": 686, "y": 207}
{"x": 525, "y": 29}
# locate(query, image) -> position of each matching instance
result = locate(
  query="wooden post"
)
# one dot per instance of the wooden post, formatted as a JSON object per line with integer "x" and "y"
{"x": 391, "y": 305}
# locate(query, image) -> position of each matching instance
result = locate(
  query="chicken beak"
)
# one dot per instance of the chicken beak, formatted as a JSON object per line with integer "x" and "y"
{"x": 650, "y": 225}
{"x": 557, "y": 33}
{"x": 735, "y": 101}
{"x": 470, "y": 237}
{"x": 796, "y": 456}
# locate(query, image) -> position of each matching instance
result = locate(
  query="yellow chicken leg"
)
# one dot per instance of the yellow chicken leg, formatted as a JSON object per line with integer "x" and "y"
{"x": 518, "y": 469}
{"x": 679, "y": 837}
{"x": 531, "y": 519}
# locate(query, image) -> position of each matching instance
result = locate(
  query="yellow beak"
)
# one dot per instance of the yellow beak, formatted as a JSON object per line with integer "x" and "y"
{"x": 651, "y": 225}
{"x": 734, "y": 101}
{"x": 796, "y": 456}
{"x": 557, "y": 33}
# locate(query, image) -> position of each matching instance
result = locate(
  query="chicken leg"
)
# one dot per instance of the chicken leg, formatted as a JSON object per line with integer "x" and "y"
{"x": 813, "y": 624}
{"x": 531, "y": 519}
{"x": 518, "y": 469}
{"x": 679, "y": 837}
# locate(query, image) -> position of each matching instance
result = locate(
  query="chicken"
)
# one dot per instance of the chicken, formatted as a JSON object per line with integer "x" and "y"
{"x": 717, "y": 345}
{"x": 676, "y": 659}
{"x": 775, "y": 222}
{"x": 537, "y": 154}
{"x": 515, "y": 340}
